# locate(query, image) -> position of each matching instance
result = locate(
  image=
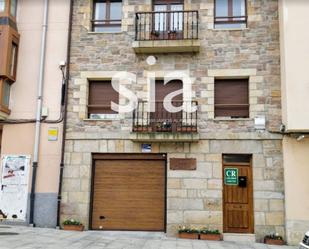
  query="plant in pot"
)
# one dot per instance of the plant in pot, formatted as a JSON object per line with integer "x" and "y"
{"x": 172, "y": 34}
{"x": 73, "y": 225}
{"x": 208, "y": 234}
{"x": 188, "y": 233}
{"x": 273, "y": 239}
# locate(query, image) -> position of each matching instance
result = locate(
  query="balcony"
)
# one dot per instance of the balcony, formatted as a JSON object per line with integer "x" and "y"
{"x": 162, "y": 125}
{"x": 166, "y": 32}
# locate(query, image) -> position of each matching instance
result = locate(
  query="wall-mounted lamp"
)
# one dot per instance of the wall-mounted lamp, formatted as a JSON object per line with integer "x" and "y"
{"x": 300, "y": 137}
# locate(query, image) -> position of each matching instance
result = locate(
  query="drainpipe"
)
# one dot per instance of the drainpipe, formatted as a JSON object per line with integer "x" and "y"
{"x": 64, "y": 103}
{"x": 38, "y": 113}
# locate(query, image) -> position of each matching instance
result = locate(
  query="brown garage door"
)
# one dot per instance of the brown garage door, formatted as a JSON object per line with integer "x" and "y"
{"x": 129, "y": 194}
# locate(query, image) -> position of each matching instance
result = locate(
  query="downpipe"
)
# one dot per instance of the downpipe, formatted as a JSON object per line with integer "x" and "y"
{"x": 64, "y": 102}
{"x": 38, "y": 113}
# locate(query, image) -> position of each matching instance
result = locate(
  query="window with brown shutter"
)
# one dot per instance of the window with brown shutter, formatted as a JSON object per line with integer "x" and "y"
{"x": 101, "y": 94}
{"x": 232, "y": 98}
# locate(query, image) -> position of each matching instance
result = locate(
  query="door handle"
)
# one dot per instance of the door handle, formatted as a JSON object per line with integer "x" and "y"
{"x": 102, "y": 217}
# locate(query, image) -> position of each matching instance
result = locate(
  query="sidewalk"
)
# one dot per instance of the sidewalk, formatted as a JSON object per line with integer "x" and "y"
{"x": 43, "y": 238}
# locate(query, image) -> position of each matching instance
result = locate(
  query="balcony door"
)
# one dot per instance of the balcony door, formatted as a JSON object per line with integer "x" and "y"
{"x": 168, "y": 19}
{"x": 162, "y": 120}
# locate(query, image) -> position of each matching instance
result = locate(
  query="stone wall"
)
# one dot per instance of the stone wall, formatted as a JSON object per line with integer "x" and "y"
{"x": 255, "y": 49}
{"x": 195, "y": 197}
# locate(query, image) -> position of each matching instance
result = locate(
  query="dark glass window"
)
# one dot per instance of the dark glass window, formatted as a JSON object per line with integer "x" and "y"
{"x": 2, "y": 5}
{"x": 6, "y": 90}
{"x": 236, "y": 158}
{"x": 230, "y": 14}
{"x": 13, "y": 64}
{"x": 107, "y": 16}
{"x": 13, "y": 7}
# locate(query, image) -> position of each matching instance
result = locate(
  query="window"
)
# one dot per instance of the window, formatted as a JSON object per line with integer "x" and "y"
{"x": 107, "y": 16}
{"x": 232, "y": 98}
{"x": 13, "y": 64}
{"x": 2, "y": 5}
{"x": 230, "y": 14}
{"x": 101, "y": 94}
{"x": 13, "y": 7}
{"x": 6, "y": 90}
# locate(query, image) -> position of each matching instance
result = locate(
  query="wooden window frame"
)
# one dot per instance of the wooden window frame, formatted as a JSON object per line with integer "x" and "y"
{"x": 107, "y": 22}
{"x": 246, "y": 105}
{"x": 230, "y": 17}
{"x": 166, "y": 2}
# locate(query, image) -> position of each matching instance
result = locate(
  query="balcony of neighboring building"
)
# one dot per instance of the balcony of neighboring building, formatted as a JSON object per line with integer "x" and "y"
{"x": 167, "y": 31}
{"x": 163, "y": 125}
{"x": 9, "y": 44}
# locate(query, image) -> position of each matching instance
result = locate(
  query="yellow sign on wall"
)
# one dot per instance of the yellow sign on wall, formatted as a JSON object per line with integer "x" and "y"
{"x": 53, "y": 134}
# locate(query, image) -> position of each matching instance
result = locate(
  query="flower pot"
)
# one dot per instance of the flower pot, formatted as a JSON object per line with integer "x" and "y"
{"x": 277, "y": 242}
{"x": 215, "y": 237}
{"x": 73, "y": 227}
{"x": 186, "y": 129}
{"x": 188, "y": 235}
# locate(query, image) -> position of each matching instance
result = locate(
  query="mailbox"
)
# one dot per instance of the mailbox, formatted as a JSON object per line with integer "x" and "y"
{"x": 242, "y": 181}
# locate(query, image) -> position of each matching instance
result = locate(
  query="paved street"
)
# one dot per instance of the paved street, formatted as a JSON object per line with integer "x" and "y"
{"x": 41, "y": 238}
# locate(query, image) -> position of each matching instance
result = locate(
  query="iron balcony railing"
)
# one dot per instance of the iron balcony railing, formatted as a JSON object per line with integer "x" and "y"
{"x": 163, "y": 121}
{"x": 166, "y": 25}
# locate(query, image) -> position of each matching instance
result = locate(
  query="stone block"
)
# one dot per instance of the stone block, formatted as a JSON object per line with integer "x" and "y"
{"x": 203, "y": 217}
{"x": 195, "y": 183}
{"x": 213, "y": 157}
{"x": 86, "y": 146}
{"x": 184, "y": 204}
{"x": 173, "y": 183}
{"x": 176, "y": 193}
{"x": 261, "y": 205}
{"x": 214, "y": 184}
{"x": 71, "y": 171}
{"x": 85, "y": 171}
{"x": 259, "y": 218}
{"x": 213, "y": 204}
{"x": 202, "y": 146}
{"x": 217, "y": 170}
{"x": 276, "y": 205}
{"x": 175, "y": 217}
{"x": 235, "y": 146}
{"x": 71, "y": 185}
{"x": 103, "y": 146}
{"x": 76, "y": 158}
{"x": 275, "y": 218}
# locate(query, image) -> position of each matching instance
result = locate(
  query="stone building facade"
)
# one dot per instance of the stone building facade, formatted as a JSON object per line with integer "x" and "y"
{"x": 193, "y": 197}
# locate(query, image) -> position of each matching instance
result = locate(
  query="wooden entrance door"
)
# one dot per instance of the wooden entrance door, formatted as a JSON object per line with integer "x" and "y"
{"x": 238, "y": 199}
{"x": 129, "y": 194}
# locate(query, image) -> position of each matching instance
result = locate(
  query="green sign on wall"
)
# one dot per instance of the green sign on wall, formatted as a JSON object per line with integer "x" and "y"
{"x": 231, "y": 176}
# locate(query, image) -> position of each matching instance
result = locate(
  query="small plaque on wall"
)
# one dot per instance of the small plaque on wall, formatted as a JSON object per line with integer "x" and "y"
{"x": 183, "y": 164}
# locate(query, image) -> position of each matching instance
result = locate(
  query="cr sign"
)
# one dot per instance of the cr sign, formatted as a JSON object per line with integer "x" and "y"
{"x": 231, "y": 176}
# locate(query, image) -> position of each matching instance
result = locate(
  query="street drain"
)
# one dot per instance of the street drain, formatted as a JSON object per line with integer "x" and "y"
{"x": 4, "y": 227}
{"x": 7, "y": 233}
